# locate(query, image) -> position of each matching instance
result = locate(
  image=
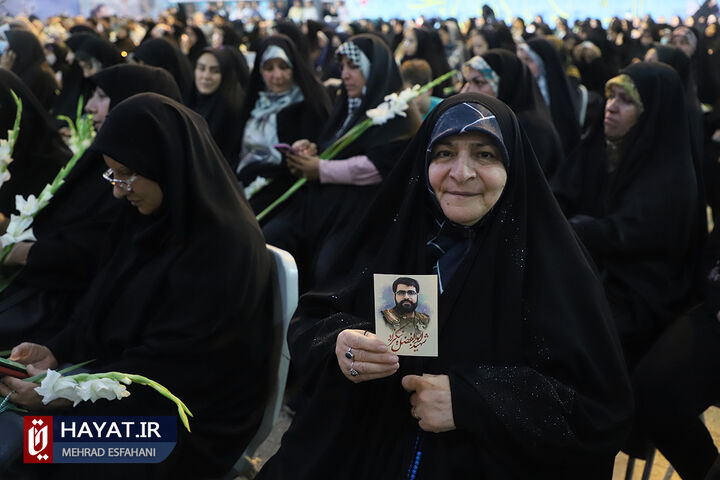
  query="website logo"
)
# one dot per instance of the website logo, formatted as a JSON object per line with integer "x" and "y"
{"x": 38, "y": 439}
{"x": 98, "y": 439}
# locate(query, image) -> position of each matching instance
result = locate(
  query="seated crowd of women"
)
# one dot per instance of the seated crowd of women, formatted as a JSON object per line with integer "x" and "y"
{"x": 566, "y": 226}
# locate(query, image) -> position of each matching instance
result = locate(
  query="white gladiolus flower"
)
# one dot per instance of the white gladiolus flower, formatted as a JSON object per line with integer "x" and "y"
{"x": 54, "y": 386}
{"x": 255, "y": 186}
{"x": 27, "y": 208}
{"x": 393, "y": 106}
{"x": 102, "y": 388}
{"x": 18, "y": 230}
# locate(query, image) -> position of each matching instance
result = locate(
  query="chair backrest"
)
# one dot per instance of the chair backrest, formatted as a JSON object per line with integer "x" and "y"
{"x": 284, "y": 304}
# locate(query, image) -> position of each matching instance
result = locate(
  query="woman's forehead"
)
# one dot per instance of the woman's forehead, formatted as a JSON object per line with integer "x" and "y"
{"x": 208, "y": 58}
{"x": 472, "y": 137}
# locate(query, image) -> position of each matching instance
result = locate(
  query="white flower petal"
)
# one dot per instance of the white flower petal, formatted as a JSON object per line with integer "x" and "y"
{"x": 54, "y": 386}
{"x": 27, "y": 208}
{"x": 98, "y": 388}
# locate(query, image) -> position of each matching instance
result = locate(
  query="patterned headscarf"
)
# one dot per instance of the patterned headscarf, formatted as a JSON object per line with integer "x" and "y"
{"x": 357, "y": 56}
{"x": 478, "y": 63}
{"x": 628, "y": 85}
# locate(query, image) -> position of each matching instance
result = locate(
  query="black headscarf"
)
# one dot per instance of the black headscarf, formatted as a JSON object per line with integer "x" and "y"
{"x": 537, "y": 379}
{"x": 82, "y": 29}
{"x": 430, "y": 49}
{"x": 200, "y": 44}
{"x": 32, "y": 67}
{"x": 562, "y": 107}
{"x": 74, "y": 82}
{"x": 221, "y": 109}
{"x": 39, "y": 151}
{"x": 159, "y": 52}
{"x": 100, "y": 49}
{"x": 120, "y": 82}
{"x": 292, "y": 31}
{"x": 642, "y": 222}
{"x": 384, "y": 79}
{"x": 145, "y": 313}
{"x": 71, "y": 230}
{"x": 520, "y": 92}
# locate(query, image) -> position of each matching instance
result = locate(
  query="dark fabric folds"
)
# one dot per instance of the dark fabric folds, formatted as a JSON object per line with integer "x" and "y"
{"x": 30, "y": 65}
{"x": 562, "y": 107}
{"x": 39, "y": 151}
{"x": 520, "y": 92}
{"x": 158, "y": 52}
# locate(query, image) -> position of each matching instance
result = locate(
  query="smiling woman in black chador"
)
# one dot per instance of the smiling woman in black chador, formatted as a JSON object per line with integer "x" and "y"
{"x": 529, "y": 381}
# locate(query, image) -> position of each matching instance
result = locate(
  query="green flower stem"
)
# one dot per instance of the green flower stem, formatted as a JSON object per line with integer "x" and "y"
{"x": 340, "y": 144}
{"x": 13, "y": 135}
{"x": 128, "y": 378}
{"x": 282, "y": 198}
{"x": 70, "y": 123}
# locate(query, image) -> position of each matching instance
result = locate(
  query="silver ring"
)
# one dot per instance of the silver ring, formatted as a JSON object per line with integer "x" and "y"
{"x": 349, "y": 354}
{"x": 365, "y": 333}
{"x": 353, "y": 372}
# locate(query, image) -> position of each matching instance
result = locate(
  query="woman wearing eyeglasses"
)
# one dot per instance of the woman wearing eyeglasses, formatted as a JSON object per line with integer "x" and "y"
{"x": 181, "y": 298}
{"x": 56, "y": 270}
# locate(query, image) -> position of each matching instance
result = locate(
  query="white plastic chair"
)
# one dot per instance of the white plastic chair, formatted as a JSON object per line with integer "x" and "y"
{"x": 284, "y": 305}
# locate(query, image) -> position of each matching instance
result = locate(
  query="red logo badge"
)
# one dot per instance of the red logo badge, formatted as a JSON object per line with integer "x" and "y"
{"x": 38, "y": 439}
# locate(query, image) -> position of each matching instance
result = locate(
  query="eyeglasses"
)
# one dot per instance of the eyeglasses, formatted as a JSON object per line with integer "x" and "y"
{"x": 125, "y": 184}
{"x": 403, "y": 293}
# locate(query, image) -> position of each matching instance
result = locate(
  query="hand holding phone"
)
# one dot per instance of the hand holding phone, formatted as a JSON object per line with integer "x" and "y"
{"x": 284, "y": 148}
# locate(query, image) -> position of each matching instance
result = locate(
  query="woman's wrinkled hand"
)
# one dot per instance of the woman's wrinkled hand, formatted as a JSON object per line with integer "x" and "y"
{"x": 360, "y": 352}
{"x": 23, "y": 393}
{"x": 32, "y": 353}
{"x": 430, "y": 402}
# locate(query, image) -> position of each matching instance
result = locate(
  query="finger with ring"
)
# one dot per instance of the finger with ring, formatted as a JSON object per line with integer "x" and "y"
{"x": 349, "y": 354}
{"x": 353, "y": 372}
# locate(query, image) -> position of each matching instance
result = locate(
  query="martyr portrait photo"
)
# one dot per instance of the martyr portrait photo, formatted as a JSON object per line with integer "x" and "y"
{"x": 406, "y": 313}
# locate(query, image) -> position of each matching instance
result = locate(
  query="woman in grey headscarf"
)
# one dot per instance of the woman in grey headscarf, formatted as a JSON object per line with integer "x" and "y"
{"x": 284, "y": 103}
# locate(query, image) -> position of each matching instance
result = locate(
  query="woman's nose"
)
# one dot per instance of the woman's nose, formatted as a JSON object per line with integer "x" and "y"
{"x": 461, "y": 169}
{"x": 119, "y": 192}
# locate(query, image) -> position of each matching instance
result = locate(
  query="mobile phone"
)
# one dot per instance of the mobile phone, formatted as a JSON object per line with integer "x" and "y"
{"x": 13, "y": 369}
{"x": 284, "y": 148}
